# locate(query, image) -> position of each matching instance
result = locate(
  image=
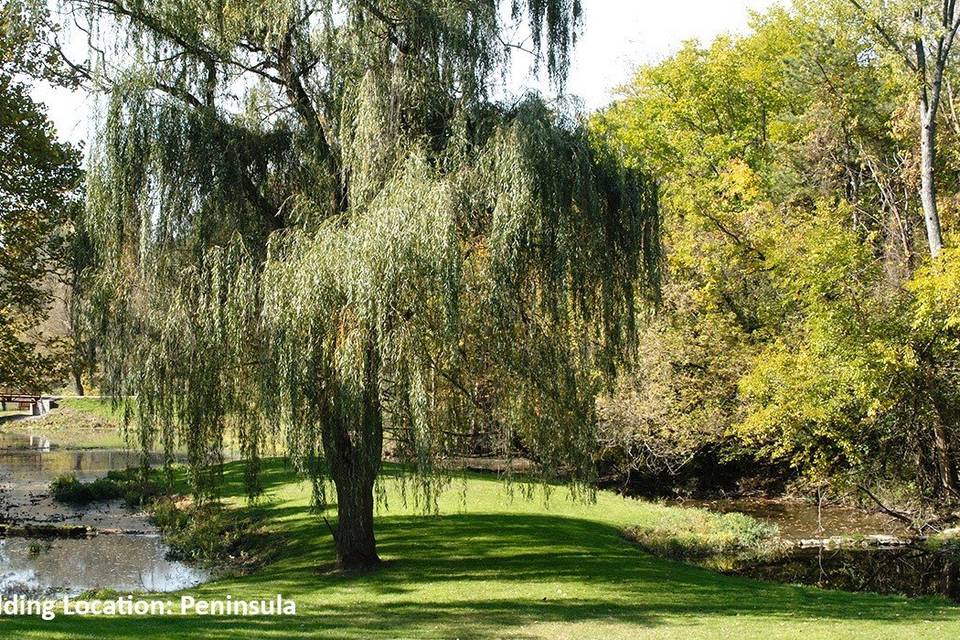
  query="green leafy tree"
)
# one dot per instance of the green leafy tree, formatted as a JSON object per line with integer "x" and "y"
{"x": 39, "y": 180}
{"x": 795, "y": 324}
{"x": 710, "y": 121}
{"x": 311, "y": 222}
{"x": 922, "y": 36}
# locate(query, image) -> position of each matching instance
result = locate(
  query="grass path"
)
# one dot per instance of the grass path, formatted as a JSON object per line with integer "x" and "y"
{"x": 489, "y": 567}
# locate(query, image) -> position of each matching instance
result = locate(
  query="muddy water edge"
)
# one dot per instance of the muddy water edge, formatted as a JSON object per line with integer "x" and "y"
{"x": 135, "y": 560}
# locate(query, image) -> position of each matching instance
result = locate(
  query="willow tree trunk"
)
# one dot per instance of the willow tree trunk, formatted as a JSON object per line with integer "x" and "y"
{"x": 354, "y": 450}
{"x": 355, "y": 542}
{"x": 928, "y": 187}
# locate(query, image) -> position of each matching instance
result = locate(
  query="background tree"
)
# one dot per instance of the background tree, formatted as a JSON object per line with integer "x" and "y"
{"x": 922, "y": 35}
{"x": 310, "y": 222}
{"x": 798, "y": 317}
{"x": 39, "y": 180}
{"x": 708, "y": 122}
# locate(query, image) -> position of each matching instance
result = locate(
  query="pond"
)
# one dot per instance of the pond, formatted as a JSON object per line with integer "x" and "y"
{"x": 908, "y": 571}
{"x": 799, "y": 519}
{"x": 911, "y": 570}
{"x": 34, "y": 568}
{"x": 133, "y": 560}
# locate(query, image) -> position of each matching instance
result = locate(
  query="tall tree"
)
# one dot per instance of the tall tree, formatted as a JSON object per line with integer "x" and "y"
{"x": 795, "y": 325}
{"x": 310, "y": 221}
{"x": 39, "y": 180}
{"x": 922, "y": 35}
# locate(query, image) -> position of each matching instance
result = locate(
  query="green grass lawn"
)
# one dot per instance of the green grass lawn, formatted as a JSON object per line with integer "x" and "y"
{"x": 491, "y": 567}
{"x": 99, "y": 407}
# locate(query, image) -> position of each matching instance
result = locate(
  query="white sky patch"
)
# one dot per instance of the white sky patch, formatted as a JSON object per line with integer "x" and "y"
{"x": 618, "y": 36}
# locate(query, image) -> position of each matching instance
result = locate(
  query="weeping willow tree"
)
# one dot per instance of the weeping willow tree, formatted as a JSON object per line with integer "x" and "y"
{"x": 312, "y": 224}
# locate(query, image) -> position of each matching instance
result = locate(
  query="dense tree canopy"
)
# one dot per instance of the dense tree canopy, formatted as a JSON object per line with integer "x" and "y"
{"x": 311, "y": 223}
{"x": 803, "y": 320}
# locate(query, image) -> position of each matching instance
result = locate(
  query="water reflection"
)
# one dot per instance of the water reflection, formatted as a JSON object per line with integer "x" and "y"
{"x": 43, "y": 465}
{"x": 906, "y": 571}
{"x": 10, "y": 440}
{"x": 25, "y": 477}
{"x": 124, "y": 563}
{"x": 798, "y": 519}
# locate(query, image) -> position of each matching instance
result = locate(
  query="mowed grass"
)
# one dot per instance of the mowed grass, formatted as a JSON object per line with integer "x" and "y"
{"x": 95, "y": 407}
{"x": 489, "y": 566}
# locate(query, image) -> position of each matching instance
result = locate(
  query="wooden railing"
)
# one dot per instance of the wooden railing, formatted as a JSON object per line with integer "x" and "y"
{"x": 38, "y": 404}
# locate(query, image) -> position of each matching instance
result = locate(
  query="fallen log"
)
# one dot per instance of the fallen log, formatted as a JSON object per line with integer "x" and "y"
{"x": 857, "y": 542}
{"x": 46, "y": 531}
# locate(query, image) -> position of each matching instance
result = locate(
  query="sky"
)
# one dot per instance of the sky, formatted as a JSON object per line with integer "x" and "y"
{"x": 618, "y": 36}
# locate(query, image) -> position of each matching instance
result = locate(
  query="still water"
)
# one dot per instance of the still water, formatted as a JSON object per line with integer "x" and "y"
{"x": 71, "y": 566}
{"x": 910, "y": 571}
{"x": 124, "y": 562}
{"x": 798, "y": 519}
{"x": 906, "y": 571}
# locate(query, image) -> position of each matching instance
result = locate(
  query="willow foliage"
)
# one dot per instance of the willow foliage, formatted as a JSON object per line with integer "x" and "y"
{"x": 370, "y": 250}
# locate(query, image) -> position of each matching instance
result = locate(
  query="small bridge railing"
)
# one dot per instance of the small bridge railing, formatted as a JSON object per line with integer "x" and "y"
{"x": 38, "y": 404}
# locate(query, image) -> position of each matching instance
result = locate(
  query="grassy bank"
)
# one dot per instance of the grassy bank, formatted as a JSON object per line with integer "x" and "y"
{"x": 127, "y": 484}
{"x": 489, "y": 567}
{"x": 705, "y": 538}
{"x": 77, "y": 423}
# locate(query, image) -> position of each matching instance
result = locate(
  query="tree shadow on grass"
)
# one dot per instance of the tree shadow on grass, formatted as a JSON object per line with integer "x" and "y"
{"x": 486, "y": 576}
{"x": 511, "y": 552}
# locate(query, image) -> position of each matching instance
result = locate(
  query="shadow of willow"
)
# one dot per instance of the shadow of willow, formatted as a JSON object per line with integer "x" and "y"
{"x": 485, "y": 576}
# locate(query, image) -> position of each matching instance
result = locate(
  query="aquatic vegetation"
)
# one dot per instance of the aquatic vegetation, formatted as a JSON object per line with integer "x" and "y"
{"x": 126, "y": 484}
{"x": 708, "y": 538}
{"x": 210, "y": 533}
